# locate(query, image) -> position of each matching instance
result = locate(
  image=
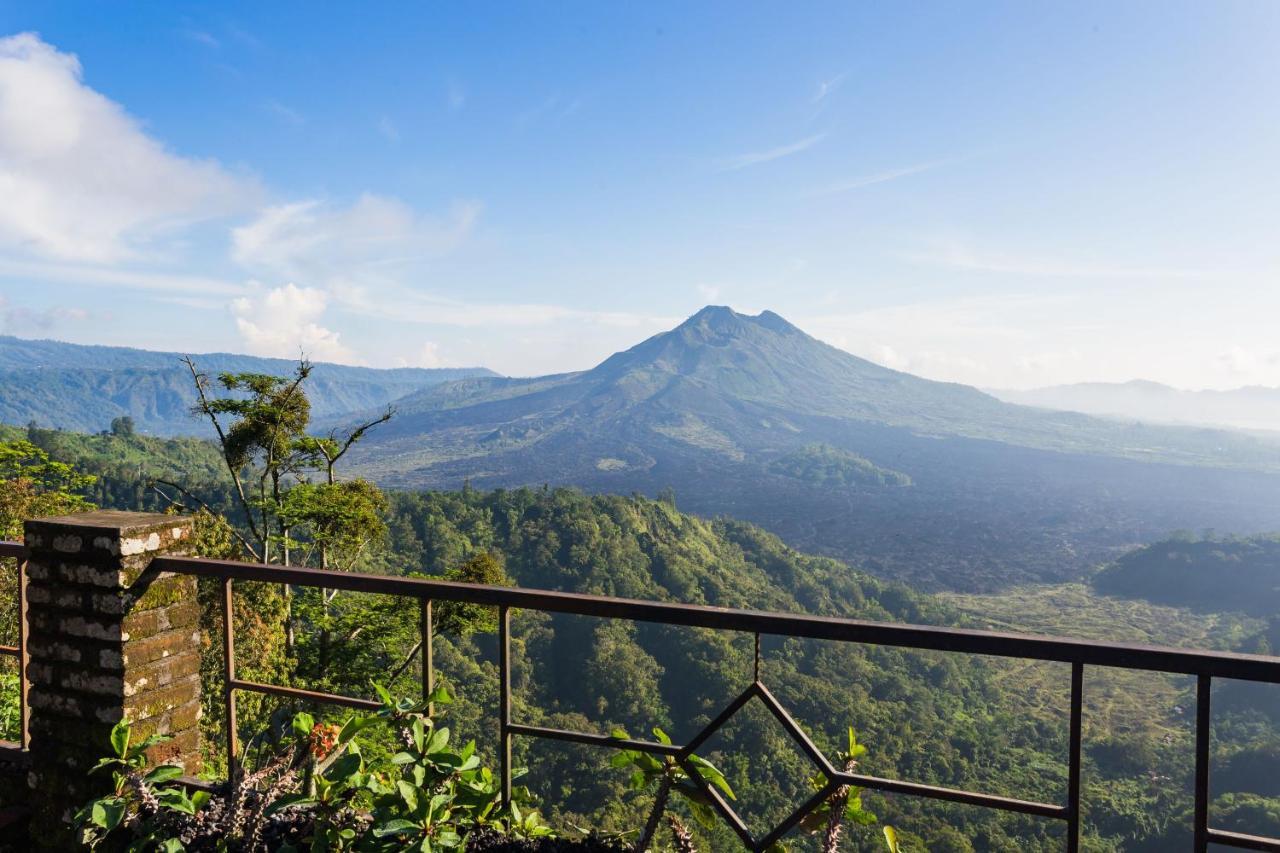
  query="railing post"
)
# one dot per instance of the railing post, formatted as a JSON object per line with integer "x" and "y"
{"x": 504, "y": 699}
{"x": 107, "y": 639}
{"x": 1203, "y": 718}
{"x": 229, "y": 677}
{"x": 1073, "y": 758}
{"x": 426, "y": 628}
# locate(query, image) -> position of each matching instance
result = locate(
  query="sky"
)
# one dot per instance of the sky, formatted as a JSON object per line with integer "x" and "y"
{"x": 1007, "y": 195}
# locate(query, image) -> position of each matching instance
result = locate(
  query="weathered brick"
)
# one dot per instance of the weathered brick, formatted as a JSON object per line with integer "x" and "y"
{"x": 153, "y": 703}
{"x": 109, "y": 638}
{"x": 143, "y": 651}
{"x": 161, "y": 673}
{"x": 163, "y": 592}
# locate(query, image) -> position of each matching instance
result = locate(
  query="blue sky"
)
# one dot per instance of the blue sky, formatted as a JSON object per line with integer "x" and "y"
{"x": 1004, "y": 194}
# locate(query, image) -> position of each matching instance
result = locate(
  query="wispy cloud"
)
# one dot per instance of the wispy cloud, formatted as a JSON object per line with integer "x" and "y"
{"x": 285, "y": 112}
{"x": 245, "y": 37}
{"x": 554, "y": 107}
{"x": 826, "y": 88}
{"x": 389, "y": 130}
{"x": 24, "y": 320}
{"x": 878, "y": 178}
{"x": 709, "y": 292}
{"x": 742, "y": 161}
{"x": 116, "y": 278}
{"x": 202, "y": 37}
{"x": 961, "y": 256}
{"x": 455, "y": 96}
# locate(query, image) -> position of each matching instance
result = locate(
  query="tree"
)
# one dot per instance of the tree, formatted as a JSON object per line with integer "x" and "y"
{"x": 269, "y": 456}
{"x": 33, "y": 485}
{"x": 122, "y": 426}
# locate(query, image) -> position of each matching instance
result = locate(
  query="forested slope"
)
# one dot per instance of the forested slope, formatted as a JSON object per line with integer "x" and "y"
{"x": 935, "y": 718}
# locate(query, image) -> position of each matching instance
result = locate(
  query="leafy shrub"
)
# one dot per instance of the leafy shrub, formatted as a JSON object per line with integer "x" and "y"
{"x": 310, "y": 785}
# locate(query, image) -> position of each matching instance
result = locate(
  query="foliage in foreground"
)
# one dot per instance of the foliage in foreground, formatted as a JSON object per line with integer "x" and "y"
{"x": 308, "y": 784}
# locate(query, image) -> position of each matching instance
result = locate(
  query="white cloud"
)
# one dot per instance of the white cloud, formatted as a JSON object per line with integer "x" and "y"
{"x": 21, "y": 320}
{"x": 742, "y": 161}
{"x": 828, "y": 87}
{"x": 878, "y": 178}
{"x": 283, "y": 321}
{"x": 429, "y": 356}
{"x": 1250, "y": 363}
{"x": 327, "y": 245}
{"x": 709, "y": 292}
{"x": 389, "y": 130}
{"x": 79, "y": 177}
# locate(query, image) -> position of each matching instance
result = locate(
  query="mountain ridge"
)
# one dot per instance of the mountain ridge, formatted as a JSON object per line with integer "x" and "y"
{"x": 728, "y": 362}
{"x": 83, "y": 387}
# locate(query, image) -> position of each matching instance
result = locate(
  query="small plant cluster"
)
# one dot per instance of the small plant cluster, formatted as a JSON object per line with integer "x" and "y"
{"x": 311, "y": 787}
{"x": 670, "y": 778}
{"x": 844, "y": 805}
{"x": 306, "y": 785}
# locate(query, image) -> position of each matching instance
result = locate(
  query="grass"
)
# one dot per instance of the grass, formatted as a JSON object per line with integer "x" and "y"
{"x": 1116, "y": 701}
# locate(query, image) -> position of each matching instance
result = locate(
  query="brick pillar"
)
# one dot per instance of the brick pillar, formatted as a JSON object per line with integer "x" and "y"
{"x": 108, "y": 639}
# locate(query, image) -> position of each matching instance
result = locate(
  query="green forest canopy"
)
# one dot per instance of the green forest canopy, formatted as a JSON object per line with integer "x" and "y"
{"x": 936, "y": 718}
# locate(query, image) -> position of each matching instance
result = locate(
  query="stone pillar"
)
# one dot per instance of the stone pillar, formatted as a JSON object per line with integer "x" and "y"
{"x": 108, "y": 639}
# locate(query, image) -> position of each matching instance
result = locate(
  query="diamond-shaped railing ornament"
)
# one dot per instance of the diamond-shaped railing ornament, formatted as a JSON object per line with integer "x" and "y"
{"x": 758, "y": 691}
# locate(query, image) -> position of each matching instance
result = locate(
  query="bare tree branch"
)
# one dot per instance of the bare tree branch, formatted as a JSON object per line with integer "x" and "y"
{"x": 199, "y": 379}
{"x": 248, "y": 546}
{"x": 352, "y": 438}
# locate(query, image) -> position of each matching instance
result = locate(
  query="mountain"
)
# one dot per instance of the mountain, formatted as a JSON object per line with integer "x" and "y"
{"x": 1253, "y": 407}
{"x": 74, "y": 387}
{"x": 718, "y": 408}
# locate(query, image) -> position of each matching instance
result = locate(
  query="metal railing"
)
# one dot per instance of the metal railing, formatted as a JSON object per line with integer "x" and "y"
{"x": 1204, "y": 666}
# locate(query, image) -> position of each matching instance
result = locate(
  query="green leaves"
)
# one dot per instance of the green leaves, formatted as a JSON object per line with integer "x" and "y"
{"x": 428, "y": 796}
{"x": 163, "y": 773}
{"x": 120, "y": 738}
{"x": 107, "y": 812}
{"x": 708, "y": 771}
{"x": 302, "y": 725}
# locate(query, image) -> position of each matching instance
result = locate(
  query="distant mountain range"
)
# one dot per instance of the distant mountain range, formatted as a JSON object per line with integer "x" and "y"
{"x": 74, "y": 387}
{"x": 749, "y": 416}
{"x": 1253, "y": 407}
{"x": 733, "y": 386}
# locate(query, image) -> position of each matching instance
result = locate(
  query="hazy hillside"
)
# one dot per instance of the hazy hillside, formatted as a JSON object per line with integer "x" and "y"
{"x": 1252, "y": 408}
{"x": 997, "y": 726}
{"x": 718, "y": 409}
{"x": 74, "y": 387}
{"x": 1240, "y": 574}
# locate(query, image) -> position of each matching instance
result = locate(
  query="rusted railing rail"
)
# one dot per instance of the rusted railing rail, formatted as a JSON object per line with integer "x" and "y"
{"x": 1204, "y": 666}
